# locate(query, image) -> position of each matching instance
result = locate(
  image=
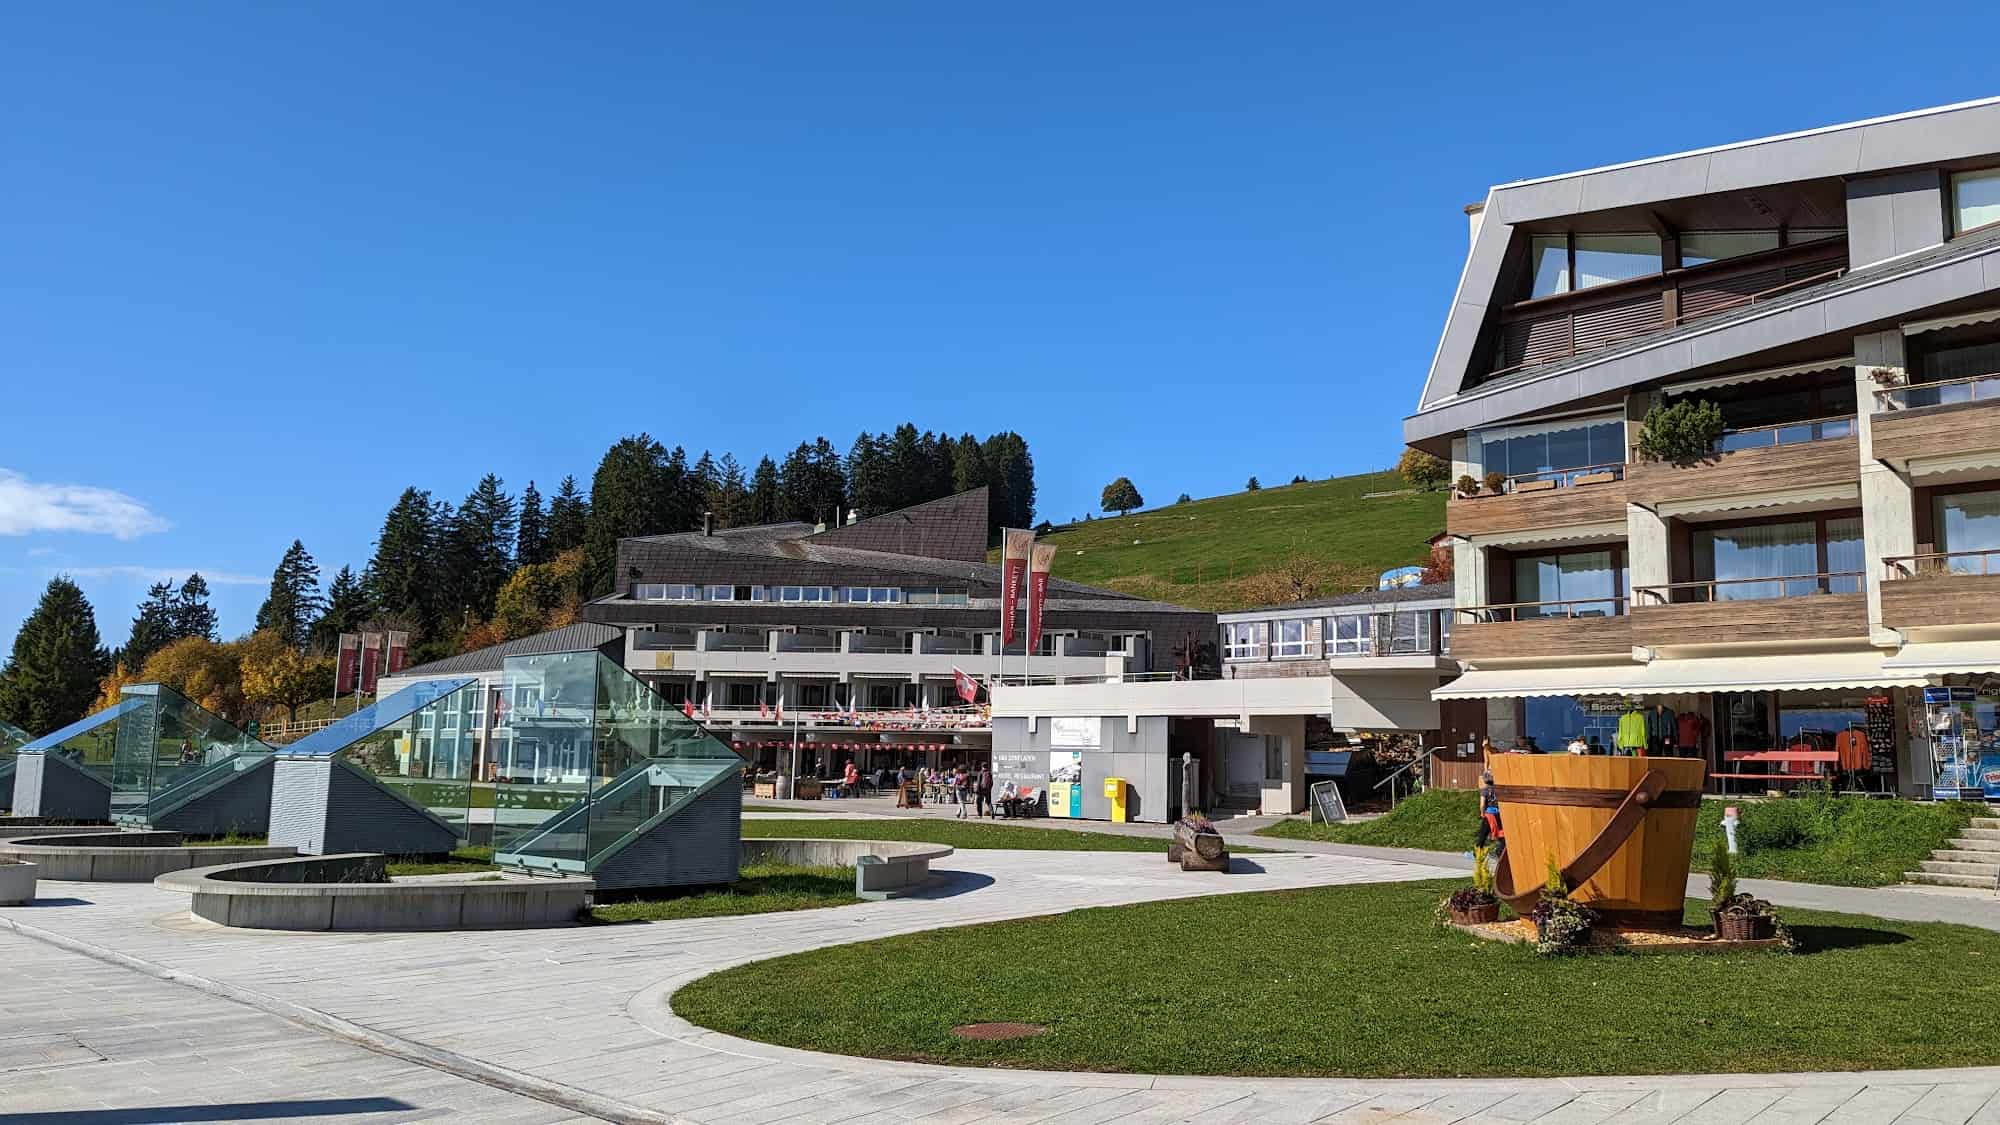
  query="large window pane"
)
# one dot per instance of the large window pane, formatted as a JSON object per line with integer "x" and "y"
{"x": 1569, "y": 449}
{"x": 1604, "y": 258}
{"x": 1584, "y": 577}
{"x": 1970, "y": 521}
{"x": 1976, "y": 198}
{"x": 1607, "y": 443}
{"x": 1549, "y": 258}
{"x": 1493, "y": 456}
{"x": 1782, "y": 550}
{"x": 1528, "y": 454}
{"x": 1704, "y": 246}
{"x": 1845, "y": 555}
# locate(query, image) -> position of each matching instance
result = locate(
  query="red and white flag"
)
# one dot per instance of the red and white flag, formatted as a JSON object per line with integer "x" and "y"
{"x": 687, "y": 707}
{"x": 1040, "y": 562}
{"x": 707, "y": 707}
{"x": 968, "y": 688}
{"x": 1015, "y": 546}
{"x": 781, "y": 708}
{"x": 763, "y": 709}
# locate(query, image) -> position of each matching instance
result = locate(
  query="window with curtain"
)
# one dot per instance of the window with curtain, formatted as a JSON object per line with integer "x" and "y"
{"x": 1604, "y": 258}
{"x": 1970, "y": 521}
{"x": 1553, "y": 452}
{"x": 1589, "y": 578}
{"x": 1786, "y": 553}
{"x": 1975, "y": 199}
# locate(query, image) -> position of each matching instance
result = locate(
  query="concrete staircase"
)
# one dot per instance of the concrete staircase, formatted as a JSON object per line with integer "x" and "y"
{"x": 1971, "y": 860}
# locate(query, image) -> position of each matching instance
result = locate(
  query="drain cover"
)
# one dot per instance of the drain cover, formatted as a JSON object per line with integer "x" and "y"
{"x": 997, "y": 1030}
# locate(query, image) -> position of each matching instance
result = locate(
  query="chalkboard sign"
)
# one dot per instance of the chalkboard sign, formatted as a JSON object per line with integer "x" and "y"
{"x": 1881, "y": 734}
{"x": 1327, "y": 807}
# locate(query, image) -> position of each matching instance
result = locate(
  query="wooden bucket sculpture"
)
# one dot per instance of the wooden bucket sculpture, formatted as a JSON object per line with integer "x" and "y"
{"x": 1621, "y": 831}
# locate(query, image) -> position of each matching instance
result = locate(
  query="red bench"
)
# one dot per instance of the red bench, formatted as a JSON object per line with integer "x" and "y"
{"x": 1787, "y": 758}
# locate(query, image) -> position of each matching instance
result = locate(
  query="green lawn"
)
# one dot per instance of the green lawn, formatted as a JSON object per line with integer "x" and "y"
{"x": 1208, "y": 553}
{"x": 957, "y": 833}
{"x": 1845, "y": 841}
{"x": 233, "y": 840}
{"x": 1356, "y": 982}
{"x": 461, "y": 861}
{"x": 763, "y": 889}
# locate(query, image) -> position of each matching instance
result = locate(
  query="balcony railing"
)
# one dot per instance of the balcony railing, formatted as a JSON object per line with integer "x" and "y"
{"x": 1943, "y": 392}
{"x": 1751, "y": 589}
{"x": 1540, "y": 611}
{"x": 1785, "y": 433}
{"x": 1941, "y": 564}
{"x": 1545, "y": 479}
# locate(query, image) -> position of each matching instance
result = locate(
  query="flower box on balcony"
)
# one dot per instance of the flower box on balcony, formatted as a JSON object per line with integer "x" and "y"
{"x": 1593, "y": 478}
{"x": 1534, "y": 486}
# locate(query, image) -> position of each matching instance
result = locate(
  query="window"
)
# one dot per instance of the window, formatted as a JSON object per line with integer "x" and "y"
{"x": 1605, "y": 258}
{"x": 1352, "y": 634}
{"x": 1700, "y": 247}
{"x": 741, "y": 695}
{"x": 736, "y": 593}
{"x": 1290, "y": 639}
{"x": 666, "y": 592}
{"x": 881, "y": 695}
{"x": 1789, "y": 554}
{"x": 810, "y": 695}
{"x": 1970, "y": 521}
{"x": 931, "y": 595}
{"x": 1975, "y": 199}
{"x": 1554, "y": 452}
{"x": 1409, "y": 632}
{"x": 1244, "y": 640}
{"x": 803, "y": 594}
{"x": 1796, "y": 235}
{"x": 1592, "y": 581}
{"x": 1548, "y": 256}
{"x": 877, "y": 595}
{"x": 1274, "y": 759}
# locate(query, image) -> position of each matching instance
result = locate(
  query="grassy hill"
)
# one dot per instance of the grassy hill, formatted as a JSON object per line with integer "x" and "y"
{"x": 1229, "y": 552}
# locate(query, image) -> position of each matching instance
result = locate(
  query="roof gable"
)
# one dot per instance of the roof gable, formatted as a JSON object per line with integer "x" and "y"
{"x": 951, "y": 527}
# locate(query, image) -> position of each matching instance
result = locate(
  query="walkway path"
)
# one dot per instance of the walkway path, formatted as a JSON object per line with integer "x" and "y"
{"x": 582, "y": 1012}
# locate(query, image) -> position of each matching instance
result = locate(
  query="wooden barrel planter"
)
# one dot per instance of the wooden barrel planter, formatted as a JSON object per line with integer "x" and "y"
{"x": 1620, "y": 829}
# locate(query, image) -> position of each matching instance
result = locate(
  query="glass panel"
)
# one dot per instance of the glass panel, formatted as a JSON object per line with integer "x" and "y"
{"x": 1846, "y": 556}
{"x": 1579, "y": 577}
{"x": 1797, "y": 235}
{"x": 1528, "y": 454}
{"x": 1970, "y": 521}
{"x": 164, "y": 738}
{"x": 1552, "y": 721}
{"x": 423, "y": 744}
{"x": 1701, "y": 247}
{"x": 1569, "y": 449}
{"x": 1607, "y": 443}
{"x": 1783, "y": 550}
{"x": 1548, "y": 256}
{"x": 1976, "y": 198}
{"x": 1493, "y": 457}
{"x": 1604, "y": 258}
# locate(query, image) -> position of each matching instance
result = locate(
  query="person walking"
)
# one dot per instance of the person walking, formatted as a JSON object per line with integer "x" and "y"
{"x": 958, "y": 785}
{"x": 985, "y": 787}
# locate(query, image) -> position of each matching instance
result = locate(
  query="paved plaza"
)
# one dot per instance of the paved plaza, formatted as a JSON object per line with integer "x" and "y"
{"x": 461, "y": 1025}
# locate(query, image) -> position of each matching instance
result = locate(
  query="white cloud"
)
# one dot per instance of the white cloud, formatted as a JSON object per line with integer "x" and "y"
{"x": 29, "y": 506}
{"x": 166, "y": 573}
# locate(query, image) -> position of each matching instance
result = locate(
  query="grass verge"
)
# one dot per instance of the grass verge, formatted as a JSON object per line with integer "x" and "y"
{"x": 232, "y": 840}
{"x": 762, "y": 889}
{"x": 1356, "y": 982}
{"x": 968, "y": 834}
{"x": 461, "y": 861}
{"x": 1842, "y": 841}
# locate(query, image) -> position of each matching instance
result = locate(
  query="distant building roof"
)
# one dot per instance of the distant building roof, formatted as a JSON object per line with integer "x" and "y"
{"x": 570, "y": 638}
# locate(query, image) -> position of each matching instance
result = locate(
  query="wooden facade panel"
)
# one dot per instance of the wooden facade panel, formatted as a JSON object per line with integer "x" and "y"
{"x": 1938, "y": 431}
{"x": 1805, "y": 465}
{"x": 1945, "y": 599}
{"x": 1820, "y": 617}
{"x": 1549, "y": 636}
{"x": 1530, "y": 511}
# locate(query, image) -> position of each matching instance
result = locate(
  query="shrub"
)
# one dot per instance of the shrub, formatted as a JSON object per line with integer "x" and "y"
{"x": 1721, "y": 876}
{"x": 1252, "y": 486}
{"x": 1685, "y": 431}
{"x": 1422, "y": 470}
{"x": 1496, "y": 481}
{"x": 1466, "y": 485}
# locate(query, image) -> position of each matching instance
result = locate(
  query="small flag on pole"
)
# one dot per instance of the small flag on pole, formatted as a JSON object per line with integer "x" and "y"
{"x": 968, "y": 688}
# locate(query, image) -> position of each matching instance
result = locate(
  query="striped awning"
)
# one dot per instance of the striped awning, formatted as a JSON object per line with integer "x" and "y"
{"x": 1945, "y": 657}
{"x": 1787, "y": 672}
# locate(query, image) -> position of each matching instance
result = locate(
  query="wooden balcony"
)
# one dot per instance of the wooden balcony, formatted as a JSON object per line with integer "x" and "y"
{"x": 1791, "y": 465}
{"x": 1951, "y": 418}
{"x": 1531, "y": 629}
{"x": 1805, "y": 607}
{"x": 1560, "y": 500}
{"x": 1942, "y": 590}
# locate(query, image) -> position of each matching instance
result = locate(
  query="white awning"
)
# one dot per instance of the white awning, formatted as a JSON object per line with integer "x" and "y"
{"x": 1802, "y": 499}
{"x": 1959, "y": 321}
{"x": 1755, "y": 376}
{"x": 1941, "y": 657}
{"x": 1513, "y": 683}
{"x": 1776, "y": 672}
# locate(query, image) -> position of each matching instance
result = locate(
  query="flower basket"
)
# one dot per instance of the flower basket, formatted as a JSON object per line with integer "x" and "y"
{"x": 1745, "y": 927}
{"x": 1481, "y": 915}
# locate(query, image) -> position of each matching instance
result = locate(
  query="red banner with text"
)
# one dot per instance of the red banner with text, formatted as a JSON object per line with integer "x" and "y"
{"x": 1039, "y": 564}
{"x": 1015, "y": 546}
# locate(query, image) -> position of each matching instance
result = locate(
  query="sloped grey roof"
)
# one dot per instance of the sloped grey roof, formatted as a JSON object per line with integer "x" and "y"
{"x": 570, "y": 638}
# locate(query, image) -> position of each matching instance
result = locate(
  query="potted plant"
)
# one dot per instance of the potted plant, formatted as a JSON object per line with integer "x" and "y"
{"x": 1684, "y": 432}
{"x": 1561, "y": 924}
{"x": 1737, "y": 917}
{"x": 17, "y": 882}
{"x": 1475, "y": 905}
{"x": 1496, "y": 482}
{"x": 1467, "y": 487}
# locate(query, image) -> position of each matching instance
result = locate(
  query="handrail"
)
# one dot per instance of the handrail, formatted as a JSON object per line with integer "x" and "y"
{"x": 1935, "y": 563}
{"x": 1561, "y": 477}
{"x": 1990, "y": 382}
{"x": 1413, "y": 763}
{"x": 1659, "y": 591}
{"x": 1472, "y": 612}
{"x": 1753, "y": 298}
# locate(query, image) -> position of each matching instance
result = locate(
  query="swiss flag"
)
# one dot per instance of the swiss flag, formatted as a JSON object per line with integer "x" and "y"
{"x": 687, "y": 708}
{"x": 968, "y": 688}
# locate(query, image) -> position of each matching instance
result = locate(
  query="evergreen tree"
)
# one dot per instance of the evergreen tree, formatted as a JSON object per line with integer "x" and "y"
{"x": 826, "y": 483}
{"x": 968, "y": 465}
{"x": 531, "y": 541}
{"x": 908, "y": 467}
{"x": 294, "y": 603}
{"x": 680, "y": 496}
{"x": 152, "y": 628}
{"x": 766, "y": 503}
{"x": 52, "y": 676}
{"x": 732, "y": 507}
{"x": 347, "y": 607}
{"x": 705, "y": 486}
{"x": 403, "y": 578}
{"x": 1012, "y": 476}
{"x": 479, "y": 547}
{"x": 568, "y": 513}
{"x": 192, "y": 615}
{"x": 868, "y": 476}
{"x": 630, "y": 494}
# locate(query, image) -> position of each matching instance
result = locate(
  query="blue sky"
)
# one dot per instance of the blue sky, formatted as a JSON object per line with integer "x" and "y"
{"x": 262, "y": 266}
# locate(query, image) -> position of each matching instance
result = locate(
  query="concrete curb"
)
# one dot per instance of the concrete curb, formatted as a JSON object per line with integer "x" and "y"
{"x": 395, "y": 1046}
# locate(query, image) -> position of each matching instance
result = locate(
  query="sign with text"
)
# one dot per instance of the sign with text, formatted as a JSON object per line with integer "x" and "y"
{"x": 1067, "y": 732}
{"x": 1015, "y": 547}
